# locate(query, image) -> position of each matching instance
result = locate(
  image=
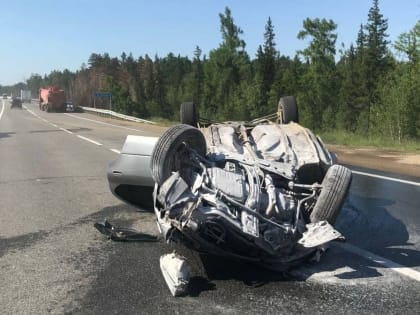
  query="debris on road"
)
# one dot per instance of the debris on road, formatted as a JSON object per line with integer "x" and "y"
{"x": 176, "y": 273}
{"x": 123, "y": 234}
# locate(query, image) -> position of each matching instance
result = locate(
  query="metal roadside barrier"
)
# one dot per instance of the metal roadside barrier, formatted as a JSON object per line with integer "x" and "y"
{"x": 110, "y": 113}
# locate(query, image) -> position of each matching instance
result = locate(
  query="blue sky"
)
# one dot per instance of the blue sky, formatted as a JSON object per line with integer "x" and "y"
{"x": 38, "y": 36}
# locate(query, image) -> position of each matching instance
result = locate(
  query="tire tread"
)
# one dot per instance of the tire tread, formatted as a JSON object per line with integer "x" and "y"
{"x": 336, "y": 184}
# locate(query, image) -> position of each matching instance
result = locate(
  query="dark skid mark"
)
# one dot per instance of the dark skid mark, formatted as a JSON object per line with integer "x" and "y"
{"x": 21, "y": 241}
{"x": 30, "y": 239}
{"x": 75, "y": 130}
{"x": 44, "y": 131}
{"x": 6, "y": 134}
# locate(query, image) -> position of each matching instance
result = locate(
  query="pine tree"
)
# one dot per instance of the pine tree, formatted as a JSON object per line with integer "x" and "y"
{"x": 397, "y": 112}
{"x": 408, "y": 43}
{"x": 318, "y": 98}
{"x": 226, "y": 68}
{"x": 265, "y": 72}
{"x": 376, "y": 59}
{"x": 353, "y": 95}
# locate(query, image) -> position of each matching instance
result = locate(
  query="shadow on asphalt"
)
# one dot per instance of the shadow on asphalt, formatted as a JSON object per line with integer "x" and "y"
{"x": 376, "y": 229}
{"x": 368, "y": 224}
{"x": 20, "y": 242}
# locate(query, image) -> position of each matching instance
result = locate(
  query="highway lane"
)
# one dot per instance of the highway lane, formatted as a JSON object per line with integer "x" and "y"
{"x": 45, "y": 163}
{"x": 110, "y": 133}
{"x": 389, "y": 212}
{"x": 53, "y": 188}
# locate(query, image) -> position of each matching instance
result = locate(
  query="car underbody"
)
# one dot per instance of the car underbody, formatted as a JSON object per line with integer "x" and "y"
{"x": 261, "y": 191}
{"x": 247, "y": 198}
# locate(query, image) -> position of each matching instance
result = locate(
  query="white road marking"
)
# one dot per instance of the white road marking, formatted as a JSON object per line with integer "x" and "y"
{"x": 409, "y": 272}
{"x": 115, "y": 151}
{"x": 104, "y": 123}
{"x": 2, "y": 109}
{"x": 68, "y": 131}
{"x": 90, "y": 140}
{"x": 387, "y": 178}
{"x": 30, "y": 111}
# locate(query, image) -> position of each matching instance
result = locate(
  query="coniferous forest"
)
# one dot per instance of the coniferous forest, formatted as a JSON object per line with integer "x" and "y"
{"x": 371, "y": 88}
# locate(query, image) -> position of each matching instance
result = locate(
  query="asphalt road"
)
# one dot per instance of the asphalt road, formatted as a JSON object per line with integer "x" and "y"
{"x": 53, "y": 188}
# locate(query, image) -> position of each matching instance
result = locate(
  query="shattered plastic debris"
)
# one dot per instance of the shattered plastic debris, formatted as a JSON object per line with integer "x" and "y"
{"x": 318, "y": 234}
{"x": 123, "y": 234}
{"x": 175, "y": 272}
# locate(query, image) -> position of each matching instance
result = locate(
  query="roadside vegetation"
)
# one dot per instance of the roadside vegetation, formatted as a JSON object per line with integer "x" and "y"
{"x": 364, "y": 94}
{"x": 351, "y": 139}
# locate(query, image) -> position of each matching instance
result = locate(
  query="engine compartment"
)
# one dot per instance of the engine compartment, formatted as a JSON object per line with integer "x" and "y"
{"x": 244, "y": 197}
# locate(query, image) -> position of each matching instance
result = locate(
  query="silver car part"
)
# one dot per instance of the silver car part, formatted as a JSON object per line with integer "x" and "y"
{"x": 230, "y": 183}
{"x": 129, "y": 176}
{"x": 250, "y": 224}
{"x": 318, "y": 234}
{"x": 175, "y": 272}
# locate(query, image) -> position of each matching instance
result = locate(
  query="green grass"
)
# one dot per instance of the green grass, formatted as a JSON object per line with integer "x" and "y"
{"x": 163, "y": 122}
{"x": 341, "y": 137}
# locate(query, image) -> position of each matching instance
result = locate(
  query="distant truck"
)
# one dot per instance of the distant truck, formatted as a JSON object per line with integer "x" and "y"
{"x": 25, "y": 96}
{"x": 52, "y": 98}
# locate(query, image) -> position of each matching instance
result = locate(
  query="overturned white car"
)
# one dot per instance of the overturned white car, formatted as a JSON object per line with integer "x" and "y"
{"x": 263, "y": 191}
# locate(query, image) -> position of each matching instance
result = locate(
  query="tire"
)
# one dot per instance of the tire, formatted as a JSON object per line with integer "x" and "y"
{"x": 288, "y": 109}
{"x": 335, "y": 186}
{"x": 168, "y": 154}
{"x": 189, "y": 114}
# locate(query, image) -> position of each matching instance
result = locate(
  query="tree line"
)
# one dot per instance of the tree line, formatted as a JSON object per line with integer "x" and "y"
{"x": 367, "y": 88}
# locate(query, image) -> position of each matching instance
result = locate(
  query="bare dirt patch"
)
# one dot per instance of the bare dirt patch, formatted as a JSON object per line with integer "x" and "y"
{"x": 378, "y": 159}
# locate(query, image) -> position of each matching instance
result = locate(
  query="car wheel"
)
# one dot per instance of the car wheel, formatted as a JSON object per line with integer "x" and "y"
{"x": 335, "y": 186}
{"x": 288, "y": 110}
{"x": 189, "y": 114}
{"x": 169, "y": 153}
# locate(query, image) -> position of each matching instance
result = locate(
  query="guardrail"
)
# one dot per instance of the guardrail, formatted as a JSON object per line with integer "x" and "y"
{"x": 107, "y": 112}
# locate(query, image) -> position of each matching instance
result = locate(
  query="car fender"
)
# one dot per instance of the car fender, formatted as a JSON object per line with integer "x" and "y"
{"x": 129, "y": 176}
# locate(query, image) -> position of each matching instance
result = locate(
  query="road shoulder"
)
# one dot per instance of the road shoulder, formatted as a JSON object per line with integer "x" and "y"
{"x": 378, "y": 159}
